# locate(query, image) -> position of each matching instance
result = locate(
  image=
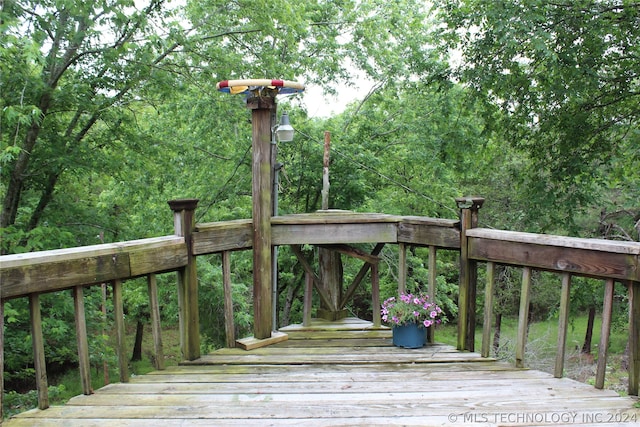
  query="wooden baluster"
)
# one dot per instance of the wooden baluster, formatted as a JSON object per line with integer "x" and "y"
{"x": 118, "y": 312}
{"x": 488, "y": 310}
{"x": 156, "y": 326}
{"x": 402, "y": 268}
{"x": 634, "y": 337}
{"x": 563, "y": 321}
{"x": 83, "y": 343}
{"x": 38, "y": 351}
{"x": 523, "y": 318}
{"x": 432, "y": 286}
{"x": 229, "y": 325}
{"x": 604, "y": 333}
{"x": 375, "y": 295}
{"x": 308, "y": 299}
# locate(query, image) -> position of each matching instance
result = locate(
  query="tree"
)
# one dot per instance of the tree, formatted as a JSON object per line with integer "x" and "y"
{"x": 565, "y": 74}
{"x": 68, "y": 74}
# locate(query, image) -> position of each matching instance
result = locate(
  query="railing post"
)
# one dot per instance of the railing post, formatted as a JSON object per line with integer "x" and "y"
{"x": 261, "y": 111}
{"x": 184, "y": 223}
{"x": 469, "y": 207}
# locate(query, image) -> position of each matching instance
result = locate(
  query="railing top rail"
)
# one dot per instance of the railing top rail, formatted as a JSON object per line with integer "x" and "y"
{"x": 57, "y": 255}
{"x": 615, "y": 246}
{"x": 586, "y": 257}
{"x": 49, "y": 271}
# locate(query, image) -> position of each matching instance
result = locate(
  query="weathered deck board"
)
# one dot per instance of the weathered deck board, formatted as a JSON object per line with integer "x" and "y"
{"x": 346, "y": 381}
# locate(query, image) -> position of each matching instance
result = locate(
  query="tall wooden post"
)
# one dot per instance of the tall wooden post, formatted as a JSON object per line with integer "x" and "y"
{"x": 261, "y": 110}
{"x": 329, "y": 261}
{"x": 469, "y": 207}
{"x": 184, "y": 223}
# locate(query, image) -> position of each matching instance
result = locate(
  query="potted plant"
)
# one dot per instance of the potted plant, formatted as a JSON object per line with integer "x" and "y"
{"x": 410, "y": 316}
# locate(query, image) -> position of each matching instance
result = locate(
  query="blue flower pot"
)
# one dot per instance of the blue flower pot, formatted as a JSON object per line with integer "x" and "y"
{"x": 412, "y": 335}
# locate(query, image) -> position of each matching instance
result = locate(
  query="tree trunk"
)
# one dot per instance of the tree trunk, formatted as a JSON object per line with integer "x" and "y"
{"x": 45, "y": 198}
{"x": 137, "y": 346}
{"x": 586, "y": 347}
{"x": 496, "y": 334}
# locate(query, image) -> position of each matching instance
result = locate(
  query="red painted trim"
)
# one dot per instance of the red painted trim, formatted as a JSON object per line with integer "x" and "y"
{"x": 224, "y": 83}
{"x": 277, "y": 83}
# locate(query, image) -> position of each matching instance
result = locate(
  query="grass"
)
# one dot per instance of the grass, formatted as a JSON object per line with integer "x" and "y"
{"x": 542, "y": 343}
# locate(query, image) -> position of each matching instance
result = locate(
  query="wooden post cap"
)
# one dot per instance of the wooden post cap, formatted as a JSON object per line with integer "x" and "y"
{"x": 183, "y": 204}
{"x": 469, "y": 202}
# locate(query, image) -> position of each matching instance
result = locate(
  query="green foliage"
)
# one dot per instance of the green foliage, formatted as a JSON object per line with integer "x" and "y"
{"x": 108, "y": 110}
{"x": 565, "y": 77}
{"x": 211, "y": 299}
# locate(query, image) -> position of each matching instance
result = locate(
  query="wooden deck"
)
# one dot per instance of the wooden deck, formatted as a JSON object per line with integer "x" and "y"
{"x": 341, "y": 375}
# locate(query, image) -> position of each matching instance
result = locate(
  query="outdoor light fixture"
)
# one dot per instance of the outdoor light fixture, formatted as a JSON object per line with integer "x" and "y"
{"x": 284, "y": 130}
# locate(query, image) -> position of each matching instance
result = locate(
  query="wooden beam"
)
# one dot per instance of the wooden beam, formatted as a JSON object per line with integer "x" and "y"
{"x": 605, "y": 331}
{"x": 83, "y": 343}
{"x": 563, "y": 324}
{"x": 251, "y": 343}
{"x": 353, "y": 252}
{"x": 156, "y": 327}
{"x": 325, "y": 233}
{"x": 223, "y": 236}
{"x": 307, "y": 268}
{"x": 585, "y": 257}
{"x": 38, "y": 351}
{"x": 523, "y": 317}
{"x": 427, "y": 232}
{"x": 359, "y": 277}
{"x": 49, "y": 271}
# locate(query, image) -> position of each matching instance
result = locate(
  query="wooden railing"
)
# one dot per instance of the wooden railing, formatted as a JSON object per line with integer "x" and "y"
{"x": 601, "y": 259}
{"x": 29, "y": 275}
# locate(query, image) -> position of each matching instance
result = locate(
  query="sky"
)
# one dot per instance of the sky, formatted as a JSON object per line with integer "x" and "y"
{"x": 319, "y": 105}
